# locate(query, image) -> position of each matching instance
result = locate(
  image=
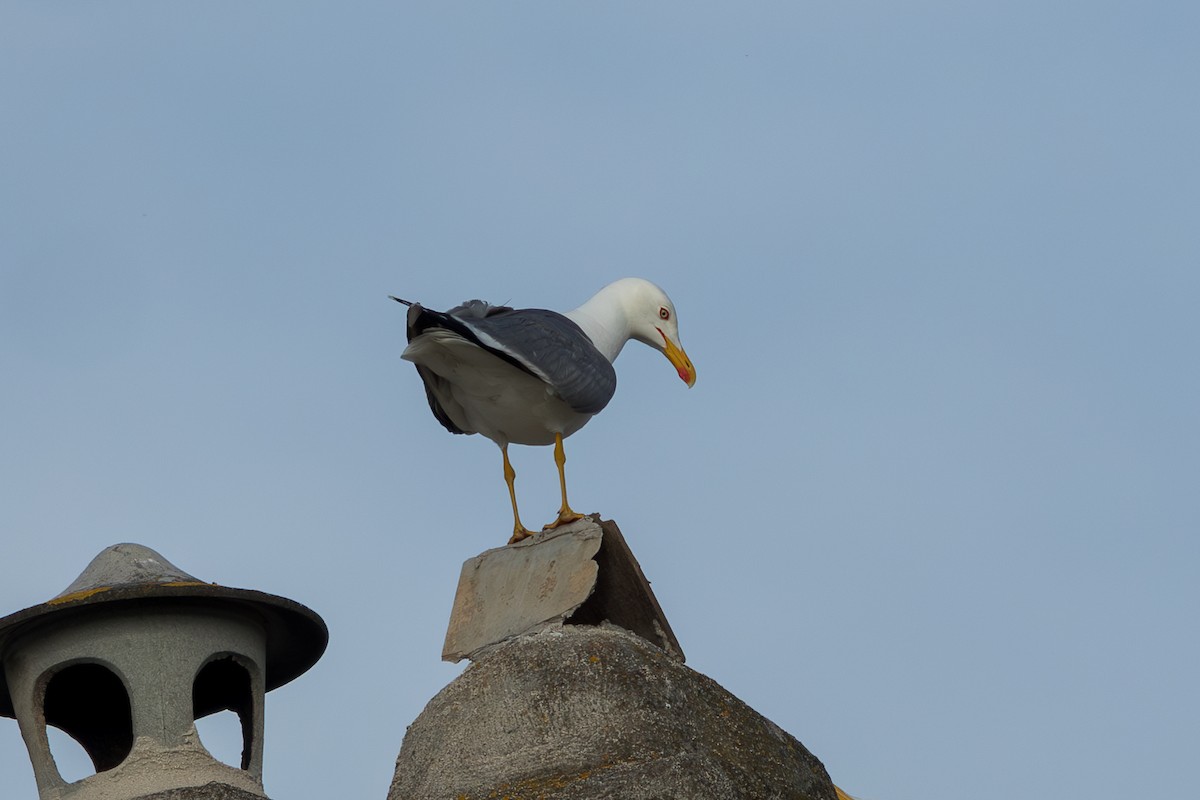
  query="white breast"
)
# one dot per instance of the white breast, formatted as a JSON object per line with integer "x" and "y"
{"x": 485, "y": 394}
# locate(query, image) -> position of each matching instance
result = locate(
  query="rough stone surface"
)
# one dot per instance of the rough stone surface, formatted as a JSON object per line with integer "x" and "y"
{"x": 584, "y": 713}
{"x": 210, "y": 791}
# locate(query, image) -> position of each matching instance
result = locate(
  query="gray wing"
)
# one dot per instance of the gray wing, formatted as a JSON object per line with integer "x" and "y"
{"x": 551, "y": 347}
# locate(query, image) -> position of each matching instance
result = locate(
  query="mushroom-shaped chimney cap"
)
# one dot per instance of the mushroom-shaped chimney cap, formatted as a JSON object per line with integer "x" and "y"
{"x": 124, "y": 565}
{"x": 130, "y": 574}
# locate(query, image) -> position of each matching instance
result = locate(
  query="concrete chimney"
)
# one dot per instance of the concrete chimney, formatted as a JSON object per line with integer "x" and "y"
{"x": 129, "y": 656}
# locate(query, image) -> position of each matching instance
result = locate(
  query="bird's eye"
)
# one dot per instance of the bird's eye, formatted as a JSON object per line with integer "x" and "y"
{"x": 664, "y": 314}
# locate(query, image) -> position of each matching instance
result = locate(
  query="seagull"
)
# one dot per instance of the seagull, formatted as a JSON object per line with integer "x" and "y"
{"x": 534, "y": 377}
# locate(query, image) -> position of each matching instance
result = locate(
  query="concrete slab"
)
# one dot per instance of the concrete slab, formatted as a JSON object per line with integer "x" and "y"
{"x": 508, "y": 591}
{"x": 581, "y": 574}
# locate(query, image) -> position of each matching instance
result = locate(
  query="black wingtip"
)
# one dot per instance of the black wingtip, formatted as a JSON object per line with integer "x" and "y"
{"x": 398, "y": 300}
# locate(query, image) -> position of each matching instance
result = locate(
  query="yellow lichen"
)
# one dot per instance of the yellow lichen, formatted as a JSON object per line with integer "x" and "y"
{"x": 82, "y": 595}
{"x": 535, "y": 787}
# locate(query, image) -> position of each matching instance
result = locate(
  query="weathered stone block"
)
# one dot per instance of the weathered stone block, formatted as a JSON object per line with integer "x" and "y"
{"x": 591, "y": 713}
{"x": 581, "y": 574}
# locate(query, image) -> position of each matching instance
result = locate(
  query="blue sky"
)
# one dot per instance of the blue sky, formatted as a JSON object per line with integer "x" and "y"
{"x": 932, "y": 503}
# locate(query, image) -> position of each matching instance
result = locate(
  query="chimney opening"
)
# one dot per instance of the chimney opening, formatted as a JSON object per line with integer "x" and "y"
{"x": 223, "y": 708}
{"x": 89, "y": 703}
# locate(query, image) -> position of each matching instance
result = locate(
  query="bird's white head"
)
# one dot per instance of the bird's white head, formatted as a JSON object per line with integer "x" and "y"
{"x": 648, "y": 316}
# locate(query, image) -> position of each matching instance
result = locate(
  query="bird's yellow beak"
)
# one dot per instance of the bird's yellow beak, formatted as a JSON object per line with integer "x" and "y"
{"x": 680, "y": 360}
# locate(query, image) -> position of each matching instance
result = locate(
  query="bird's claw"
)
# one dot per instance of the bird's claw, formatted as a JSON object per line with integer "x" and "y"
{"x": 565, "y": 516}
{"x": 519, "y": 533}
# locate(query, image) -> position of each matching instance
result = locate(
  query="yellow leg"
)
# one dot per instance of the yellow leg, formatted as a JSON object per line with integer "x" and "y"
{"x": 565, "y": 514}
{"x": 510, "y": 477}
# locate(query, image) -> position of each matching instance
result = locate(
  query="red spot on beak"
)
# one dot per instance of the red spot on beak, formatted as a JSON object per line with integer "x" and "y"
{"x": 683, "y": 366}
